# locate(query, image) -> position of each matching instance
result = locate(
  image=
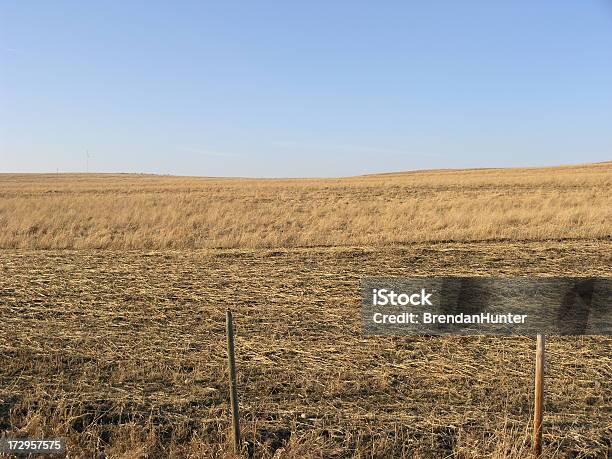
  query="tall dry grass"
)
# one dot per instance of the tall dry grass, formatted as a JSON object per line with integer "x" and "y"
{"x": 121, "y": 211}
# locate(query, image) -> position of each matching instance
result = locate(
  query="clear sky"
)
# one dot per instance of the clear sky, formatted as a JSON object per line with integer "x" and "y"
{"x": 309, "y": 88}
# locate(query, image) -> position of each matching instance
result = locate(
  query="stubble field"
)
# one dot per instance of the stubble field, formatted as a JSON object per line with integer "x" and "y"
{"x": 118, "y": 345}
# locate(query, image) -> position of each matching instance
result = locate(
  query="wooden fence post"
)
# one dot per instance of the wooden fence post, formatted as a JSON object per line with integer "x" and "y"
{"x": 538, "y": 412}
{"x": 229, "y": 328}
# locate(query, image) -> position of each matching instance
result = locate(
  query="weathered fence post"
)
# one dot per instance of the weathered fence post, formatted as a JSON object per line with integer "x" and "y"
{"x": 538, "y": 413}
{"x": 229, "y": 328}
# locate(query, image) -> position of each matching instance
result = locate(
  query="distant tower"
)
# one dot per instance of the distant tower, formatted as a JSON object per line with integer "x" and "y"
{"x": 86, "y": 160}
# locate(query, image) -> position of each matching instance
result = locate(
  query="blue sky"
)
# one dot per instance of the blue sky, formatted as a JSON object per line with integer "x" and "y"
{"x": 317, "y": 88}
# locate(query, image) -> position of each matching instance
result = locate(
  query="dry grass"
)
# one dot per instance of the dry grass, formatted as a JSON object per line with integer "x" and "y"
{"x": 124, "y": 353}
{"x": 157, "y": 212}
{"x": 121, "y": 352}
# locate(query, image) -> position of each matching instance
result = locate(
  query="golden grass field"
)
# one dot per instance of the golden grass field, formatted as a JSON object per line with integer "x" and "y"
{"x": 160, "y": 212}
{"x": 113, "y": 290}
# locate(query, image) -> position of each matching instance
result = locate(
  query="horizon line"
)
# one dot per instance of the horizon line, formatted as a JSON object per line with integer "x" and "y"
{"x": 367, "y": 174}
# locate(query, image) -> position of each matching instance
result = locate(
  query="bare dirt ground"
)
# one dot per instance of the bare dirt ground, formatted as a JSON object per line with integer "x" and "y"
{"x": 122, "y": 352}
